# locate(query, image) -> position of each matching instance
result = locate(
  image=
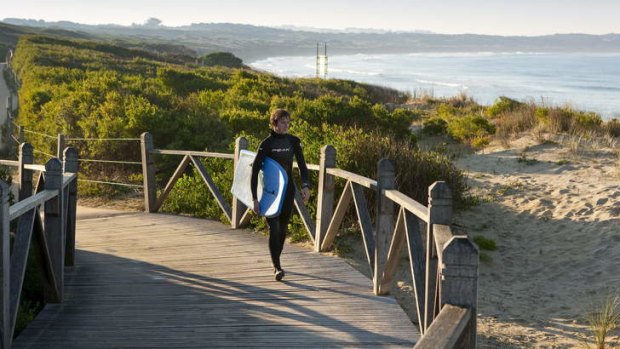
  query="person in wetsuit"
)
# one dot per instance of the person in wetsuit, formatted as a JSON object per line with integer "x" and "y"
{"x": 281, "y": 147}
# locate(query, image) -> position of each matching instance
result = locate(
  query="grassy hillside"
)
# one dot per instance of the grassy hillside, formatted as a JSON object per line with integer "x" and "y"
{"x": 99, "y": 90}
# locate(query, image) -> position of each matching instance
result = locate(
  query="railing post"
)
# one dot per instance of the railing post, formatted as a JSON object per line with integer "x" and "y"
{"x": 459, "y": 282}
{"x": 325, "y": 199}
{"x": 61, "y": 145}
{"x": 5, "y": 278}
{"x": 25, "y": 175}
{"x": 238, "y": 208}
{"x": 148, "y": 171}
{"x": 21, "y": 137}
{"x": 70, "y": 165}
{"x": 54, "y": 223}
{"x": 385, "y": 223}
{"x": 439, "y": 212}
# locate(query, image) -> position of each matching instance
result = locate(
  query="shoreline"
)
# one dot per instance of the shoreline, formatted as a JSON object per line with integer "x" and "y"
{"x": 586, "y": 91}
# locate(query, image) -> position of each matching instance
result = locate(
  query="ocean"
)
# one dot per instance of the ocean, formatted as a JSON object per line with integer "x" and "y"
{"x": 589, "y": 82}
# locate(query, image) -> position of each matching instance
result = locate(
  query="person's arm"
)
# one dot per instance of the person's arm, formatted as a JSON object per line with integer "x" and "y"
{"x": 303, "y": 169}
{"x": 256, "y": 166}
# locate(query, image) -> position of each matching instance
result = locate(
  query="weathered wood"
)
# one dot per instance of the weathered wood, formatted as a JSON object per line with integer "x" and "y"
{"x": 385, "y": 223}
{"x": 459, "y": 280}
{"x": 5, "y": 280}
{"x": 12, "y": 163}
{"x": 70, "y": 166}
{"x": 445, "y": 331}
{"x": 219, "y": 198}
{"x": 247, "y": 216}
{"x": 238, "y": 208}
{"x": 173, "y": 180}
{"x": 408, "y": 203}
{"x": 21, "y": 135}
{"x": 44, "y": 260}
{"x": 19, "y": 258}
{"x": 304, "y": 214}
{"x": 148, "y": 172}
{"x": 338, "y": 216}
{"x": 31, "y": 202}
{"x": 34, "y": 167}
{"x": 363, "y": 217}
{"x": 325, "y": 199}
{"x": 25, "y": 176}
{"x": 415, "y": 247}
{"x": 353, "y": 177}
{"x": 396, "y": 246}
{"x": 215, "y": 286}
{"x": 439, "y": 212}
{"x": 54, "y": 222}
{"x": 442, "y": 234}
{"x": 203, "y": 154}
{"x": 60, "y": 147}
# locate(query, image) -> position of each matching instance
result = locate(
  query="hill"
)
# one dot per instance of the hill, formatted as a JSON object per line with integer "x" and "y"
{"x": 253, "y": 42}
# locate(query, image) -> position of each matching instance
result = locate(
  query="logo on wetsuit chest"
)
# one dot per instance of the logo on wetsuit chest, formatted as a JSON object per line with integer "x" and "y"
{"x": 280, "y": 150}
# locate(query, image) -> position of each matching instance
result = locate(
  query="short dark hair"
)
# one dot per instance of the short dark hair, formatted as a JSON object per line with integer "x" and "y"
{"x": 277, "y": 115}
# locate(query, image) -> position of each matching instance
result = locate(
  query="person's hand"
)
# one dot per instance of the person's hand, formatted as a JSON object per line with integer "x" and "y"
{"x": 256, "y": 207}
{"x": 305, "y": 194}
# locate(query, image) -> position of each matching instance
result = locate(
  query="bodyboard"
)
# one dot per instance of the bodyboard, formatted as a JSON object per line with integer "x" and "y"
{"x": 271, "y": 187}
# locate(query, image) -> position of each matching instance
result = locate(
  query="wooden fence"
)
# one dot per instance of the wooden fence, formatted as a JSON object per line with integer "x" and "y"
{"x": 45, "y": 219}
{"x": 444, "y": 265}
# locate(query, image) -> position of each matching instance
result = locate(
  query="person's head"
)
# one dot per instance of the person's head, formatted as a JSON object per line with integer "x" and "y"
{"x": 280, "y": 120}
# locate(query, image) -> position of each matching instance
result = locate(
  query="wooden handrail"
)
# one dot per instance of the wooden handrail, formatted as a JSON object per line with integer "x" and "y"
{"x": 447, "y": 329}
{"x": 353, "y": 177}
{"x": 19, "y": 208}
{"x": 203, "y": 154}
{"x": 408, "y": 203}
{"x": 53, "y": 229}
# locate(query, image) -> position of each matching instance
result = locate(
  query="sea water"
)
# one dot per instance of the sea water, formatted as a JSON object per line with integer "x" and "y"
{"x": 589, "y": 82}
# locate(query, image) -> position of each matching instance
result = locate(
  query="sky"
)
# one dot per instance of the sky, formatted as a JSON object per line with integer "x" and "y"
{"x": 493, "y": 17}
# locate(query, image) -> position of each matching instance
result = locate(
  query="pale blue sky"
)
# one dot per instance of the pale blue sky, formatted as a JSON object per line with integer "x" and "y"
{"x": 501, "y": 17}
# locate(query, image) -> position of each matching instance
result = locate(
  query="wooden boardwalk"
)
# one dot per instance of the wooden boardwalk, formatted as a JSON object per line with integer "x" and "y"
{"x": 162, "y": 281}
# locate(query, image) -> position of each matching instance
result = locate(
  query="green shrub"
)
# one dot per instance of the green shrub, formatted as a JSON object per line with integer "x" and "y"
{"x": 225, "y": 59}
{"x": 470, "y": 127}
{"x": 435, "y": 126}
{"x": 503, "y": 104}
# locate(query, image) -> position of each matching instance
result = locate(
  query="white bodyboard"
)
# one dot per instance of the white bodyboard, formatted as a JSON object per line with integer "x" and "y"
{"x": 271, "y": 187}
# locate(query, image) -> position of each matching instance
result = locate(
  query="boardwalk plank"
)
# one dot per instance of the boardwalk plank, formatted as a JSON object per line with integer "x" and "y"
{"x": 164, "y": 281}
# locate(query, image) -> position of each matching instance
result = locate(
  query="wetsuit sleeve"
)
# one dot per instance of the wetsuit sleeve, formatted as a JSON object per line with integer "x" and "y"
{"x": 301, "y": 162}
{"x": 257, "y": 165}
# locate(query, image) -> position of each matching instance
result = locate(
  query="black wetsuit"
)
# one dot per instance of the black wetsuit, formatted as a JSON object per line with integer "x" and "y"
{"x": 281, "y": 148}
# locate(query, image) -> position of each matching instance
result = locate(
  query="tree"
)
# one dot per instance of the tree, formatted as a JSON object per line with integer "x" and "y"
{"x": 225, "y": 59}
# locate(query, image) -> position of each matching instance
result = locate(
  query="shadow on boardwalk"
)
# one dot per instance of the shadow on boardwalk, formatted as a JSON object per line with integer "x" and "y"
{"x": 175, "y": 282}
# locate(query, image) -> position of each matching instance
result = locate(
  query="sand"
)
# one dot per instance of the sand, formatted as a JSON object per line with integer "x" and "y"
{"x": 553, "y": 210}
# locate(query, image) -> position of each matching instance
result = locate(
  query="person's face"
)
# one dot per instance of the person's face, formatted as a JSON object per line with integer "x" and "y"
{"x": 282, "y": 125}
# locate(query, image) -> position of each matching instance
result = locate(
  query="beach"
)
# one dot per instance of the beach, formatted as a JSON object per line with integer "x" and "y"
{"x": 553, "y": 210}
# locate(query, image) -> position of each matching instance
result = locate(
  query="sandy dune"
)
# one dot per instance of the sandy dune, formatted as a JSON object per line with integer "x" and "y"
{"x": 555, "y": 216}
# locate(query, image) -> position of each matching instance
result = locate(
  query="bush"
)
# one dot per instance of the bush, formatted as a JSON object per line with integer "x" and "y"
{"x": 503, "y": 104}
{"x": 435, "y": 126}
{"x": 612, "y": 127}
{"x": 225, "y": 59}
{"x": 470, "y": 127}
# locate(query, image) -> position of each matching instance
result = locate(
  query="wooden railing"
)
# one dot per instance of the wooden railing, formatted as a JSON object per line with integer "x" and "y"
{"x": 443, "y": 265}
{"x": 45, "y": 217}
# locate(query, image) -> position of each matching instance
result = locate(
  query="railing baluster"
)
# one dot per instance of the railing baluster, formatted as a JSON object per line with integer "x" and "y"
{"x": 325, "y": 199}
{"x": 54, "y": 223}
{"x": 238, "y": 208}
{"x": 70, "y": 165}
{"x": 5, "y": 279}
{"x": 385, "y": 223}
{"x": 148, "y": 172}
{"x": 439, "y": 212}
{"x": 25, "y": 175}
